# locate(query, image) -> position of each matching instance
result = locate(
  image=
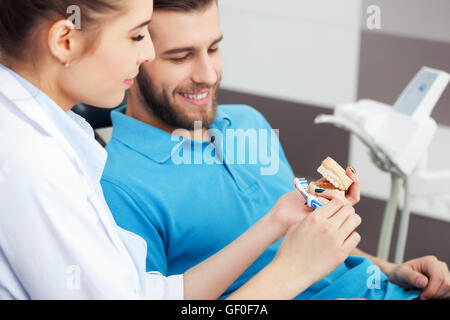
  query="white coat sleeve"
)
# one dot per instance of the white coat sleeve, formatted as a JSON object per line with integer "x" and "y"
{"x": 159, "y": 287}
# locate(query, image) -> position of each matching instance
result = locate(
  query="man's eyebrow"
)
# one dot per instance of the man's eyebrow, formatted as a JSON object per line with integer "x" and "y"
{"x": 189, "y": 49}
{"x": 217, "y": 41}
{"x": 143, "y": 24}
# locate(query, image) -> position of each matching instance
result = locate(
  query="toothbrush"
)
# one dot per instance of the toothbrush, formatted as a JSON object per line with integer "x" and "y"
{"x": 301, "y": 184}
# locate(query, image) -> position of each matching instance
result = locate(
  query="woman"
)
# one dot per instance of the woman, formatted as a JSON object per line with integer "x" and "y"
{"x": 58, "y": 239}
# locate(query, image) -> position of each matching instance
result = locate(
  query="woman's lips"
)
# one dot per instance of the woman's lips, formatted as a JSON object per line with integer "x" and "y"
{"x": 129, "y": 82}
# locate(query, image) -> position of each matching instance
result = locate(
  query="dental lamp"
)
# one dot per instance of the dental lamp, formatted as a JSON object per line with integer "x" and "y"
{"x": 398, "y": 137}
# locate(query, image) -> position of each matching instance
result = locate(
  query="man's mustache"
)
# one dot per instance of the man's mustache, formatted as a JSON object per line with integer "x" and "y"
{"x": 200, "y": 87}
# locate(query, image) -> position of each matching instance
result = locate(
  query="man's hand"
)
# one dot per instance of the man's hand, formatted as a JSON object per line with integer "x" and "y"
{"x": 426, "y": 273}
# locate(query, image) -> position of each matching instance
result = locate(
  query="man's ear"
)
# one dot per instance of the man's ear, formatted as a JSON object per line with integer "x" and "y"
{"x": 62, "y": 41}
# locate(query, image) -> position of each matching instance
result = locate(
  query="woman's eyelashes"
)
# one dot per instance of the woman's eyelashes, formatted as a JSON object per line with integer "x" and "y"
{"x": 138, "y": 38}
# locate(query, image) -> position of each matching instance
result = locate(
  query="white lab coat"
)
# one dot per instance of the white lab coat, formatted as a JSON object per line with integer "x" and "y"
{"x": 58, "y": 239}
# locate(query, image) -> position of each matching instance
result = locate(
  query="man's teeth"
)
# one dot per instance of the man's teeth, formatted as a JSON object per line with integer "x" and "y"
{"x": 195, "y": 96}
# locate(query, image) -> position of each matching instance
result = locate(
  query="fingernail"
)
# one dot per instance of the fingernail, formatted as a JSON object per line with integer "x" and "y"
{"x": 353, "y": 170}
{"x": 420, "y": 283}
{"x": 319, "y": 190}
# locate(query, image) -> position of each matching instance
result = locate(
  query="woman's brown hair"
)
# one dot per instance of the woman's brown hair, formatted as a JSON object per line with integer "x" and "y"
{"x": 20, "y": 18}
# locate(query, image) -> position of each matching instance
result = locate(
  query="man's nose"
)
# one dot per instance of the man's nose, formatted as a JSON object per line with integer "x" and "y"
{"x": 204, "y": 71}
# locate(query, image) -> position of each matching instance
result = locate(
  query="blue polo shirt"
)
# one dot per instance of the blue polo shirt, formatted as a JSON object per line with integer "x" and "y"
{"x": 189, "y": 198}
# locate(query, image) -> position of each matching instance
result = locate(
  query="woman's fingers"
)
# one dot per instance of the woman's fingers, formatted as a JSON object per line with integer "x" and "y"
{"x": 353, "y": 193}
{"x": 323, "y": 201}
{"x": 333, "y": 194}
{"x": 349, "y": 225}
{"x": 329, "y": 209}
{"x": 341, "y": 216}
{"x": 351, "y": 242}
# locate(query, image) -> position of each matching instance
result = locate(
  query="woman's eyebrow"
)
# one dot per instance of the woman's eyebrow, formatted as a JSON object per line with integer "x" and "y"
{"x": 143, "y": 24}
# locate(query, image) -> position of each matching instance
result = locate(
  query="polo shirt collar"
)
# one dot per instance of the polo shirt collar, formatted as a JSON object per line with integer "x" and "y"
{"x": 150, "y": 141}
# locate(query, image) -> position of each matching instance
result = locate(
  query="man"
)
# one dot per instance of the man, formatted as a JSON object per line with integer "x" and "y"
{"x": 190, "y": 176}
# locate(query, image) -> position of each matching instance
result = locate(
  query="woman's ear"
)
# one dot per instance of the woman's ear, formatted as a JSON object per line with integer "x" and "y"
{"x": 62, "y": 41}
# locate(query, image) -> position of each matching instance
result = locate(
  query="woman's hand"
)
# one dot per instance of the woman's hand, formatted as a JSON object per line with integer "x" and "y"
{"x": 320, "y": 242}
{"x": 289, "y": 210}
{"x": 315, "y": 244}
{"x": 353, "y": 194}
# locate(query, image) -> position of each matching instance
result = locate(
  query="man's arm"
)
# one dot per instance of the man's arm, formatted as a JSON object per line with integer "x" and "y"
{"x": 384, "y": 265}
{"x": 426, "y": 273}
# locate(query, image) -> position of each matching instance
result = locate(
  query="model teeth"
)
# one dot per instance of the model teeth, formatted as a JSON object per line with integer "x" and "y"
{"x": 195, "y": 96}
{"x": 331, "y": 177}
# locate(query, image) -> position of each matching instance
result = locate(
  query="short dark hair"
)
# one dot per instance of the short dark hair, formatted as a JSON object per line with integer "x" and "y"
{"x": 182, "y": 5}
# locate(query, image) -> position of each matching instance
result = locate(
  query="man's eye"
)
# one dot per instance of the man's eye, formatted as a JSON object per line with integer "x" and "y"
{"x": 212, "y": 50}
{"x": 138, "y": 38}
{"x": 178, "y": 59}
{"x": 181, "y": 59}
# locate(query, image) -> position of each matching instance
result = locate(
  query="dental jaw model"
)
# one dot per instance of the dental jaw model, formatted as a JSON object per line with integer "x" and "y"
{"x": 335, "y": 179}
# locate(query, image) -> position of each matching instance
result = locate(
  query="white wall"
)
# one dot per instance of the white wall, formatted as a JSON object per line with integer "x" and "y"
{"x": 298, "y": 50}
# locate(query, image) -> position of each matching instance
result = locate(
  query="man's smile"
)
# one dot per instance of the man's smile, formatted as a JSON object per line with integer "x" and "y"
{"x": 199, "y": 99}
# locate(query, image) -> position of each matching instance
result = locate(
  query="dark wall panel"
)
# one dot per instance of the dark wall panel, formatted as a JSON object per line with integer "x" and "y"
{"x": 388, "y": 63}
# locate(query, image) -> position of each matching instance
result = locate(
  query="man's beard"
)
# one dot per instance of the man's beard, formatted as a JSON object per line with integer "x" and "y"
{"x": 159, "y": 104}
